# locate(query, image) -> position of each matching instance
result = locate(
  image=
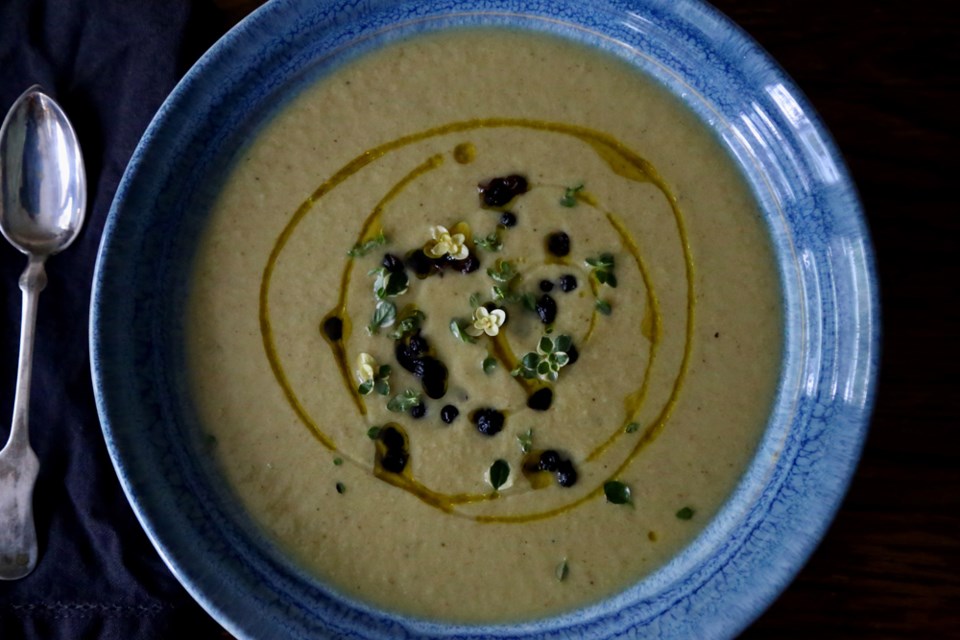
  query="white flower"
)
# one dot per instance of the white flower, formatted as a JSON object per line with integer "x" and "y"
{"x": 444, "y": 243}
{"x": 487, "y": 322}
{"x": 366, "y": 368}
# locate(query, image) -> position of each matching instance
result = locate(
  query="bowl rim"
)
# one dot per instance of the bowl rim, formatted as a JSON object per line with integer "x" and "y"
{"x": 690, "y": 18}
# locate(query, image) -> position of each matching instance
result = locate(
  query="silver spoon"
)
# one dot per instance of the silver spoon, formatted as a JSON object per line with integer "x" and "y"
{"x": 43, "y": 196}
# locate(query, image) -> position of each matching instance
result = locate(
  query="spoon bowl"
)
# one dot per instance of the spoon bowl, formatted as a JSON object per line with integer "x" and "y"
{"x": 42, "y": 208}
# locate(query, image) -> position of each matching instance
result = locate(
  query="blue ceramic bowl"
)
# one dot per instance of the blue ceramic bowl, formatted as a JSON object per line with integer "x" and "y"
{"x": 782, "y": 506}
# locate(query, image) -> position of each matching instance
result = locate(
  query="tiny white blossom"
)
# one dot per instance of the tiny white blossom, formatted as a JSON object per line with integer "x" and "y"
{"x": 444, "y": 243}
{"x": 366, "y": 368}
{"x": 487, "y": 322}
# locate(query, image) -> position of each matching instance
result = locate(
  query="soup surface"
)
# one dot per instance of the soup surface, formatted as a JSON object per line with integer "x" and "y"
{"x": 485, "y": 326}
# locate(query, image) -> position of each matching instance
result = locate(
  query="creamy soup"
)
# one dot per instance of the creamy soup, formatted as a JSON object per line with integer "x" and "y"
{"x": 485, "y": 327}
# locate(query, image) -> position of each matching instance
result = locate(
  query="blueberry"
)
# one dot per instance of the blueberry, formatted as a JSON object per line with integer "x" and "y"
{"x": 546, "y": 309}
{"x": 433, "y": 377}
{"x": 508, "y": 219}
{"x": 540, "y": 399}
{"x": 392, "y": 263}
{"x": 420, "y": 263}
{"x": 489, "y": 422}
{"x": 406, "y": 356}
{"x": 500, "y": 191}
{"x": 558, "y": 243}
{"x": 468, "y": 265}
{"x": 394, "y": 460}
{"x": 449, "y": 413}
{"x": 418, "y": 410}
{"x": 391, "y": 438}
{"x": 546, "y": 286}
{"x": 418, "y": 344}
{"x": 549, "y": 460}
{"x": 568, "y": 283}
{"x": 566, "y": 474}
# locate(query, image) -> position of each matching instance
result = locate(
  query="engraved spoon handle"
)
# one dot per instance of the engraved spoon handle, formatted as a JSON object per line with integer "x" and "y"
{"x": 18, "y": 463}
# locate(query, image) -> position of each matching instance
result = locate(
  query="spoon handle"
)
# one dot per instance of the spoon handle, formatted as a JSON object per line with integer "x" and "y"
{"x": 18, "y": 463}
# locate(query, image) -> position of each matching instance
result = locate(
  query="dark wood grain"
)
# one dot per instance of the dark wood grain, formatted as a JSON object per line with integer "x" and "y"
{"x": 885, "y": 78}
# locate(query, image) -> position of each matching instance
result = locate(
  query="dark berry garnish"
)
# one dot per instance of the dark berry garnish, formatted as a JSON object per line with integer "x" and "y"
{"x": 566, "y": 474}
{"x": 541, "y": 399}
{"x": 333, "y": 327}
{"x": 489, "y": 422}
{"x": 392, "y": 263}
{"x": 549, "y": 460}
{"x": 468, "y": 265}
{"x": 421, "y": 263}
{"x": 568, "y": 283}
{"x": 508, "y": 219}
{"x": 433, "y": 377}
{"x": 394, "y": 460}
{"x": 546, "y": 309}
{"x": 449, "y": 413}
{"x": 546, "y": 285}
{"x": 558, "y": 243}
{"x": 572, "y": 354}
{"x": 391, "y": 438}
{"x": 418, "y": 344}
{"x": 500, "y": 191}
{"x": 407, "y": 356}
{"x": 418, "y": 410}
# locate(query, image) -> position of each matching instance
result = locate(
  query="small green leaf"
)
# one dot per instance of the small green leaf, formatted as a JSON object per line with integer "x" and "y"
{"x": 362, "y": 249}
{"x": 617, "y": 492}
{"x": 632, "y": 427}
{"x": 569, "y": 198}
{"x": 545, "y": 346}
{"x": 373, "y": 432}
{"x": 341, "y": 488}
{"x": 489, "y": 364}
{"x": 562, "y": 570}
{"x": 382, "y": 386}
{"x": 338, "y": 461}
{"x": 384, "y": 315}
{"x": 562, "y": 343}
{"x": 474, "y": 300}
{"x": 603, "y": 307}
{"x": 408, "y": 323}
{"x": 404, "y": 401}
{"x": 526, "y": 441}
{"x": 457, "y": 329}
{"x": 686, "y": 513}
{"x": 365, "y": 388}
{"x": 491, "y": 243}
{"x": 499, "y": 472}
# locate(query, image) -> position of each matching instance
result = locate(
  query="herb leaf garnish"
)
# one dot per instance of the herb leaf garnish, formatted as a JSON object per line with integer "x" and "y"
{"x": 686, "y": 513}
{"x": 489, "y": 364}
{"x": 603, "y": 307}
{"x": 409, "y": 322}
{"x": 491, "y": 242}
{"x": 632, "y": 427}
{"x": 602, "y": 269}
{"x": 499, "y": 472}
{"x": 617, "y": 492}
{"x": 404, "y": 401}
{"x": 363, "y": 248}
{"x": 545, "y": 363}
{"x": 389, "y": 284}
{"x": 526, "y": 441}
{"x": 562, "y": 570}
{"x": 384, "y": 315}
{"x": 569, "y": 198}
{"x": 458, "y": 328}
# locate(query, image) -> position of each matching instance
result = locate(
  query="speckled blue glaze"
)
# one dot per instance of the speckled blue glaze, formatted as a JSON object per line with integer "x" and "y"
{"x": 787, "y": 497}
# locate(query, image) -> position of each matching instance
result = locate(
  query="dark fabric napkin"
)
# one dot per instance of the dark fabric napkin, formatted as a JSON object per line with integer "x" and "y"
{"x": 110, "y": 64}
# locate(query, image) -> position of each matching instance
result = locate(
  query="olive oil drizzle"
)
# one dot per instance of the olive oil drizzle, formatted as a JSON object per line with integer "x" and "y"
{"x": 621, "y": 160}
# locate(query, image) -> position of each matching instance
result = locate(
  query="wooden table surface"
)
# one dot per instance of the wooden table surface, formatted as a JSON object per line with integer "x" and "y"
{"x": 885, "y": 78}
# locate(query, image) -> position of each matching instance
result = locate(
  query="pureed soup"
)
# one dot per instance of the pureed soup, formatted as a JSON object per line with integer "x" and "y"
{"x": 485, "y": 327}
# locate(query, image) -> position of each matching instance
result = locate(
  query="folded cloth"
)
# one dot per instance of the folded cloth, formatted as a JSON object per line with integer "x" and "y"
{"x": 110, "y": 64}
